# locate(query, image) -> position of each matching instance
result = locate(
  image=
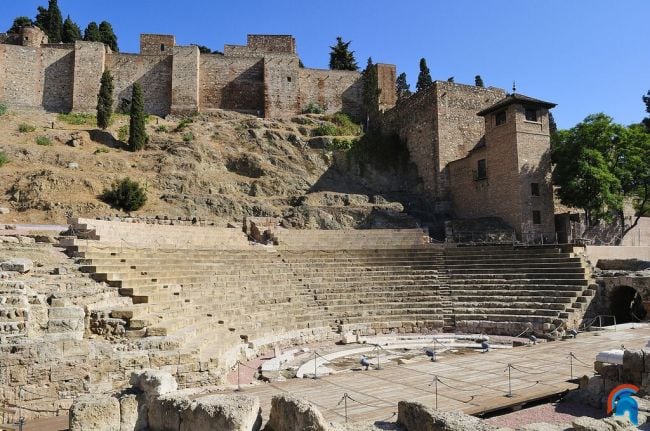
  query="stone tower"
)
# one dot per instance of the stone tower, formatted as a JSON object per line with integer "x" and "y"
{"x": 32, "y": 37}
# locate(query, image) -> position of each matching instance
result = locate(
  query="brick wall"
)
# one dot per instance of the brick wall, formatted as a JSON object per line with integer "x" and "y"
{"x": 185, "y": 80}
{"x": 89, "y": 61}
{"x": 231, "y": 83}
{"x": 281, "y": 85}
{"x": 157, "y": 44}
{"x": 333, "y": 90}
{"x": 152, "y": 72}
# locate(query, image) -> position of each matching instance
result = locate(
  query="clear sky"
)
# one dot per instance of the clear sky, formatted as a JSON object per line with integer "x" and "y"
{"x": 585, "y": 55}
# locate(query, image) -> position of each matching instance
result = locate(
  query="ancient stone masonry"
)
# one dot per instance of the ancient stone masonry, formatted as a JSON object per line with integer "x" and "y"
{"x": 262, "y": 78}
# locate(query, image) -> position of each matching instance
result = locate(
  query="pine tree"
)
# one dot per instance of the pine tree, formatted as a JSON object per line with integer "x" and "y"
{"x": 55, "y": 22}
{"x": 450, "y": 79}
{"x": 137, "y": 131}
{"x": 91, "y": 33}
{"x": 424, "y": 78}
{"x": 107, "y": 35}
{"x": 71, "y": 31}
{"x": 105, "y": 100}
{"x": 478, "y": 81}
{"x": 19, "y": 22}
{"x": 341, "y": 58}
{"x": 402, "y": 87}
{"x": 371, "y": 92}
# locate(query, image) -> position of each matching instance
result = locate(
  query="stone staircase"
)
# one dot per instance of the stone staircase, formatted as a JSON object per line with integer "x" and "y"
{"x": 505, "y": 290}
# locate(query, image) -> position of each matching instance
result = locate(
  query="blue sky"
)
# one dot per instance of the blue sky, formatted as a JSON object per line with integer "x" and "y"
{"x": 585, "y": 55}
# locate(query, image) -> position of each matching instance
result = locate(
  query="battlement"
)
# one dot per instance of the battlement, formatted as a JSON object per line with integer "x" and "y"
{"x": 157, "y": 44}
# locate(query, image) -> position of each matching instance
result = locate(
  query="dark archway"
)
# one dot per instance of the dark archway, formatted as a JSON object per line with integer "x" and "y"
{"x": 626, "y": 304}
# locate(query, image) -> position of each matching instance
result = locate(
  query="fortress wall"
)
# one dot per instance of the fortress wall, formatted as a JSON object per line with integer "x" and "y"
{"x": 58, "y": 68}
{"x": 185, "y": 80}
{"x": 231, "y": 83}
{"x": 333, "y": 90}
{"x": 272, "y": 43}
{"x": 281, "y": 85}
{"x": 386, "y": 77}
{"x": 153, "y": 73}
{"x": 89, "y": 60}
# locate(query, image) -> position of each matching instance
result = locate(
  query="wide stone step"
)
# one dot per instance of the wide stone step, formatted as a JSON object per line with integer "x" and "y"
{"x": 490, "y": 305}
{"x": 524, "y": 276}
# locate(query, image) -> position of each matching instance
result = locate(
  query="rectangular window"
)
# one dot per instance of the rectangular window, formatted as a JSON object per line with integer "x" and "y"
{"x": 288, "y": 79}
{"x": 500, "y": 118}
{"x": 162, "y": 47}
{"x": 481, "y": 170}
{"x": 537, "y": 217}
{"x": 531, "y": 114}
{"x": 534, "y": 189}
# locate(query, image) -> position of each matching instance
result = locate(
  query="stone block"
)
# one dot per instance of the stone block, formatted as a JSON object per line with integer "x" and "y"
{"x": 133, "y": 412}
{"x": 17, "y": 265}
{"x": 164, "y": 412}
{"x": 633, "y": 360}
{"x": 418, "y": 417}
{"x": 222, "y": 413}
{"x": 293, "y": 414}
{"x": 95, "y": 413}
{"x": 4, "y": 210}
{"x": 153, "y": 382}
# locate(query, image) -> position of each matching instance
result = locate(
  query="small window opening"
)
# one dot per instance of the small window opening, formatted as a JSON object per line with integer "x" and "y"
{"x": 537, "y": 217}
{"x": 534, "y": 189}
{"x": 162, "y": 47}
{"x": 288, "y": 79}
{"x": 531, "y": 114}
{"x": 481, "y": 170}
{"x": 500, "y": 118}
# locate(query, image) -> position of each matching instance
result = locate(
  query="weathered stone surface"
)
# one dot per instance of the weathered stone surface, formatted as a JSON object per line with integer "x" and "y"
{"x": 133, "y": 412}
{"x": 164, "y": 412}
{"x": 418, "y": 417}
{"x": 95, "y": 413}
{"x": 222, "y": 413}
{"x": 17, "y": 264}
{"x": 153, "y": 382}
{"x": 4, "y": 210}
{"x": 293, "y": 414}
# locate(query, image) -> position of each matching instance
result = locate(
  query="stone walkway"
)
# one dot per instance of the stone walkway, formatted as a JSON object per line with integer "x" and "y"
{"x": 474, "y": 382}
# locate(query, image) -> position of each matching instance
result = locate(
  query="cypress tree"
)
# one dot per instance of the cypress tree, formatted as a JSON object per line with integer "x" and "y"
{"x": 105, "y": 100}
{"x": 424, "y": 78}
{"x": 19, "y": 22}
{"x": 341, "y": 58}
{"x": 107, "y": 35}
{"x": 402, "y": 87}
{"x": 137, "y": 131}
{"x": 55, "y": 22}
{"x": 91, "y": 33}
{"x": 371, "y": 92}
{"x": 478, "y": 81}
{"x": 42, "y": 19}
{"x": 71, "y": 31}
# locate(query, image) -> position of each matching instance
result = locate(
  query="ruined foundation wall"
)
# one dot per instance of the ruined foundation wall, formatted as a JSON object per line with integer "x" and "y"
{"x": 153, "y": 73}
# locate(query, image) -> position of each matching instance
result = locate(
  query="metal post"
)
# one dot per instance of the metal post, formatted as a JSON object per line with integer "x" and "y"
{"x": 509, "y": 395}
{"x": 571, "y": 363}
{"x": 345, "y": 403}
{"x": 614, "y": 322}
{"x": 238, "y": 384}
{"x": 378, "y": 356}
{"x": 435, "y": 386}
{"x": 315, "y": 370}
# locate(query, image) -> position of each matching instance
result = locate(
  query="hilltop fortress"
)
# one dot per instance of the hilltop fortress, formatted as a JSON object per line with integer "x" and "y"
{"x": 478, "y": 151}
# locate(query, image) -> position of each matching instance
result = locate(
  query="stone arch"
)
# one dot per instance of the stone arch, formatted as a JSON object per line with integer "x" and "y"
{"x": 626, "y": 304}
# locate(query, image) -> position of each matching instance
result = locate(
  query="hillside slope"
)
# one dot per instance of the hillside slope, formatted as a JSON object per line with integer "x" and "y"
{"x": 223, "y": 166}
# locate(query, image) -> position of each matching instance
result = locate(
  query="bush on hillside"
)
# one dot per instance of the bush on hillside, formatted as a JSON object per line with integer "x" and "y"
{"x": 3, "y": 159}
{"x": 3, "y": 109}
{"x": 125, "y": 194}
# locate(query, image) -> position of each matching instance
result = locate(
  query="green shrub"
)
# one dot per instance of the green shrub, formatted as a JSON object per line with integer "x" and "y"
{"x": 101, "y": 150}
{"x": 313, "y": 108}
{"x": 78, "y": 119}
{"x": 182, "y": 125}
{"x": 162, "y": 129}
{"x": 341, "y": 144}
{"x": 3, "y": 109}
{"x": 325, "y": 130}
{"x": 123, "y": 133}
{"x": 26, "y": 128}
{"x": 188, "y": 137}
{"x": 44, "y": 140}
{"x": 125, "y": 194}
{"x": 346, "y": 126}
{"x": 3, "y": 159}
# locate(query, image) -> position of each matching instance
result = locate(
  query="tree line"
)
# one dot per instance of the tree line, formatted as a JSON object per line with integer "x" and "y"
{"x": 50, "y": 20}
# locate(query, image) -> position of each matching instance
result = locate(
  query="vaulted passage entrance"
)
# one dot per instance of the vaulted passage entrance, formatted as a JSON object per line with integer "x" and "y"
{"x": 626, "y": 304}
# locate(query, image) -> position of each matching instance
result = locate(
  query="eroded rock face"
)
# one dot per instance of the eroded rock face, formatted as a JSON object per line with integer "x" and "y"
{"x": 293, "y": 414}
{"x": 418, "y": 417}
{"x": 609, "y": 424}
{"x": 222, "y": 413}
{"x": 133, "y": 412}
{"x": 95, "y": 413}
{"x": 164, "y": 412}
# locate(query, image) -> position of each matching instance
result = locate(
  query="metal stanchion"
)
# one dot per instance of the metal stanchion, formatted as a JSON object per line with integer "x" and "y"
{"x": 509, "y": 369}
{"x": 435, "y": 387}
